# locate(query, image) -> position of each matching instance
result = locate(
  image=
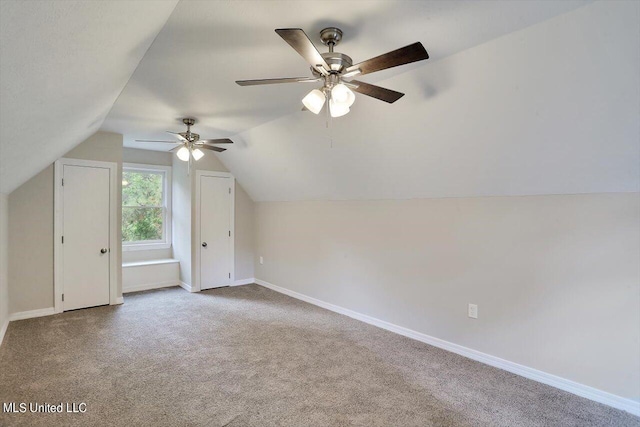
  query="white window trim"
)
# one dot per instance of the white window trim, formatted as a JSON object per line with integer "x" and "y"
{"x": 166, "y": 241}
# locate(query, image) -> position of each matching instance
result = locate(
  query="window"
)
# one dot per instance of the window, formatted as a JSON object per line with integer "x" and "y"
{"x": 146, "y": 207}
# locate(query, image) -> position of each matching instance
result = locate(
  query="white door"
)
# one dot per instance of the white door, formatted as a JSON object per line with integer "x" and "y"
{"x": 85, "y": 230}
{"x": 215, "y": 232}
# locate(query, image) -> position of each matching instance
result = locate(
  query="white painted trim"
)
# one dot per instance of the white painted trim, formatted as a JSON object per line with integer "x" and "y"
{"x": 3, "y": 330}
{"x": 244, "y": 282}
{"x": 21, "y": 315}
{"x": 573, "y": 387}
{"x": 114, "y": 244}
{"x": 119, "y": 300}
{"x": 149, "y": 286}
{"x": 232, "y": 208}
{"x": 186, "y": 286}
{"x": 149, "y": 262}
{"x": 147, "y": 246}
{"x": 168, "y": 227}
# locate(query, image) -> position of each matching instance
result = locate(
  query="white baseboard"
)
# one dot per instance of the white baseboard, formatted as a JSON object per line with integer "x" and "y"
{"x": 244, "y": 282}
{"x": 149, "y": 286}
{"x": 32, "y": 313}
{"x": 185, "y": 286}
{"x": 578, "y": 389}
{"x": 3, "y": 330}
{"x": 119, "y": 300}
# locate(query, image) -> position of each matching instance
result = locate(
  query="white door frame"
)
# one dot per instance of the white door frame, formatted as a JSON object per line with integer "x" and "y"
{"x": 114, "y": 245}
{"x": 196, "y": 234}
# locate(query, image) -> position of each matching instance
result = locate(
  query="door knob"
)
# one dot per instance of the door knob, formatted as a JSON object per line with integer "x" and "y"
{"x": 103, "y": 250}
{"x": 204, "y": 244}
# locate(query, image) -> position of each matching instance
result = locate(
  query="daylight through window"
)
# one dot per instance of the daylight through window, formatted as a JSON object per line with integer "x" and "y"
{"x": 145, "y": 210}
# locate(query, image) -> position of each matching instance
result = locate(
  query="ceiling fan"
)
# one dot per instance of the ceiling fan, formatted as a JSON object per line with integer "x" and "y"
{"x": 190, "y": 143}
{"x": 333, "y": 69}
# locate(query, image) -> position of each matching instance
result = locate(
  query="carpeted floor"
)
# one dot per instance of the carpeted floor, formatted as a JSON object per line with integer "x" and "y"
{"x": 248, "y": 356}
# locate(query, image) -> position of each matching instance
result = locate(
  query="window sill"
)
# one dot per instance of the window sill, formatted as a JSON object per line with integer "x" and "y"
{"x": 150, "y": 262}
{"x": 145, "y": 247}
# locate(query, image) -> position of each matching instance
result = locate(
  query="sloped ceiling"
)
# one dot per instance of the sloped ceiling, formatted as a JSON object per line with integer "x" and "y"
{"x": 63, "y": 64}
{"x": 512, "y": 101}
{"x": 527, "y": 97}
{"x": 551, "y": 109}
{"x": 205, "y": 46}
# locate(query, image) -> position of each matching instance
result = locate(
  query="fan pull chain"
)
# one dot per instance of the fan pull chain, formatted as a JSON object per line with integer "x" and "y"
{"x": 329, "y": 128}
{"x": 328, "y": 113}
{"x": 327, "y": 117}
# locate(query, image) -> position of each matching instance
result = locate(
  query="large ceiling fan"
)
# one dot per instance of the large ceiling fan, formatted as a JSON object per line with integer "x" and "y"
{"x": 334, "y": 70}
{"x": 190, "y": 143}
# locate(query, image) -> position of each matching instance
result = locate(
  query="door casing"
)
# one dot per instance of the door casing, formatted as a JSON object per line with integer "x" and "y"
{"x": 196, "y": 234}
{"x": 114, "y": 245}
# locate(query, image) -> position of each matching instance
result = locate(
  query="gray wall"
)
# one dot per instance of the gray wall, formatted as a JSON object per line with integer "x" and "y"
{"x": 556, "y": 278}
{"x": 31, "y": 231}
{"x": 4, "y": 264}
{"x": 181, "y": 218}
{"x": 30, "y": 239}
{"x": 146, "y": 157}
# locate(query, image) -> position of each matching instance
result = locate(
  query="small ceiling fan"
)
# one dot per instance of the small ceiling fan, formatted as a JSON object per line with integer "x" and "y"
{"x": 191, "y": 144}
{"x": 333, "y": 69}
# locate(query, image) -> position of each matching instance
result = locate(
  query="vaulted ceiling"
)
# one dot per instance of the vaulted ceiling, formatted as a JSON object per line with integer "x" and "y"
{"x": 499, "y": 109}
{"x": 62, "y": 65}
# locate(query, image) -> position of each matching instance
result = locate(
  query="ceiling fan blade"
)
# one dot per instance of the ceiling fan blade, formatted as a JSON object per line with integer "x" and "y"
{"x": 153, "y": 140}
{"x": 276, "y": 81}
{"x": 180, "y": 137}
{"x": 214, "y": 141}
{"x": 298, "y": 40}
{"x": 210, "y": 147}
{"x": 404, "y": 55}
{"x": 386, "y": 95}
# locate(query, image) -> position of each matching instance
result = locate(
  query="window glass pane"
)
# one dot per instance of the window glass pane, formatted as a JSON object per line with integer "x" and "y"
{"x": 142, "y": 206}
{"x": 141, "y": 223}
{"x": 141, "y": 188}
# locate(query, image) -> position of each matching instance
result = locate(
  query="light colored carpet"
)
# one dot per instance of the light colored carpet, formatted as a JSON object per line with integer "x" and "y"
{"x": 248, "y": 356}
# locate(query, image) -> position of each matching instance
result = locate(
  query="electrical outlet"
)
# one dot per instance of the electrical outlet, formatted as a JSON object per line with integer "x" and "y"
{"x": 261, "y": 260}
{"x": 473, "y": 311}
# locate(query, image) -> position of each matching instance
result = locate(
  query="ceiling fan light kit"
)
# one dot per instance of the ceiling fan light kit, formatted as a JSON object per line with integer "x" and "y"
{"x": 197, "y": 154}
{"x": 183, "y": 154}
{"x": 314, "y": 101}
{"x": 334, "y": 69}
{"x": 337, "y": 109}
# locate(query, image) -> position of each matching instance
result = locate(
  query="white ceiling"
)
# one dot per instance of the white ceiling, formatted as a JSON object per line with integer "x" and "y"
{"x": 205, "y": 46}
{"x": 497, "y": 110}
{"x": 551, "y": 109}
{"x": 63, "y": 64}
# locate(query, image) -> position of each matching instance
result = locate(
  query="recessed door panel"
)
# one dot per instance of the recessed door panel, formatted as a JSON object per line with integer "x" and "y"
{"x": 215, "y": 232}
{"x": 85, "y": 248}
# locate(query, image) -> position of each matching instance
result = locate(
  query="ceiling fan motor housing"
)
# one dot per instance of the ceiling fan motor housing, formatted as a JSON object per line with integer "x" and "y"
{"x": 331, "y": 36}
{"x": 337, "y": 62}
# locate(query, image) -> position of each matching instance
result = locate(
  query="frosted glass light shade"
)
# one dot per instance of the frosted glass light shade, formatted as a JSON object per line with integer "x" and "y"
{"x": 197, "y": 154}
{"x": 314, "y": 101}
{"x": 336, "y": 109}
{"x": 341, "y": 94}
{"x": 183, "y": 154}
